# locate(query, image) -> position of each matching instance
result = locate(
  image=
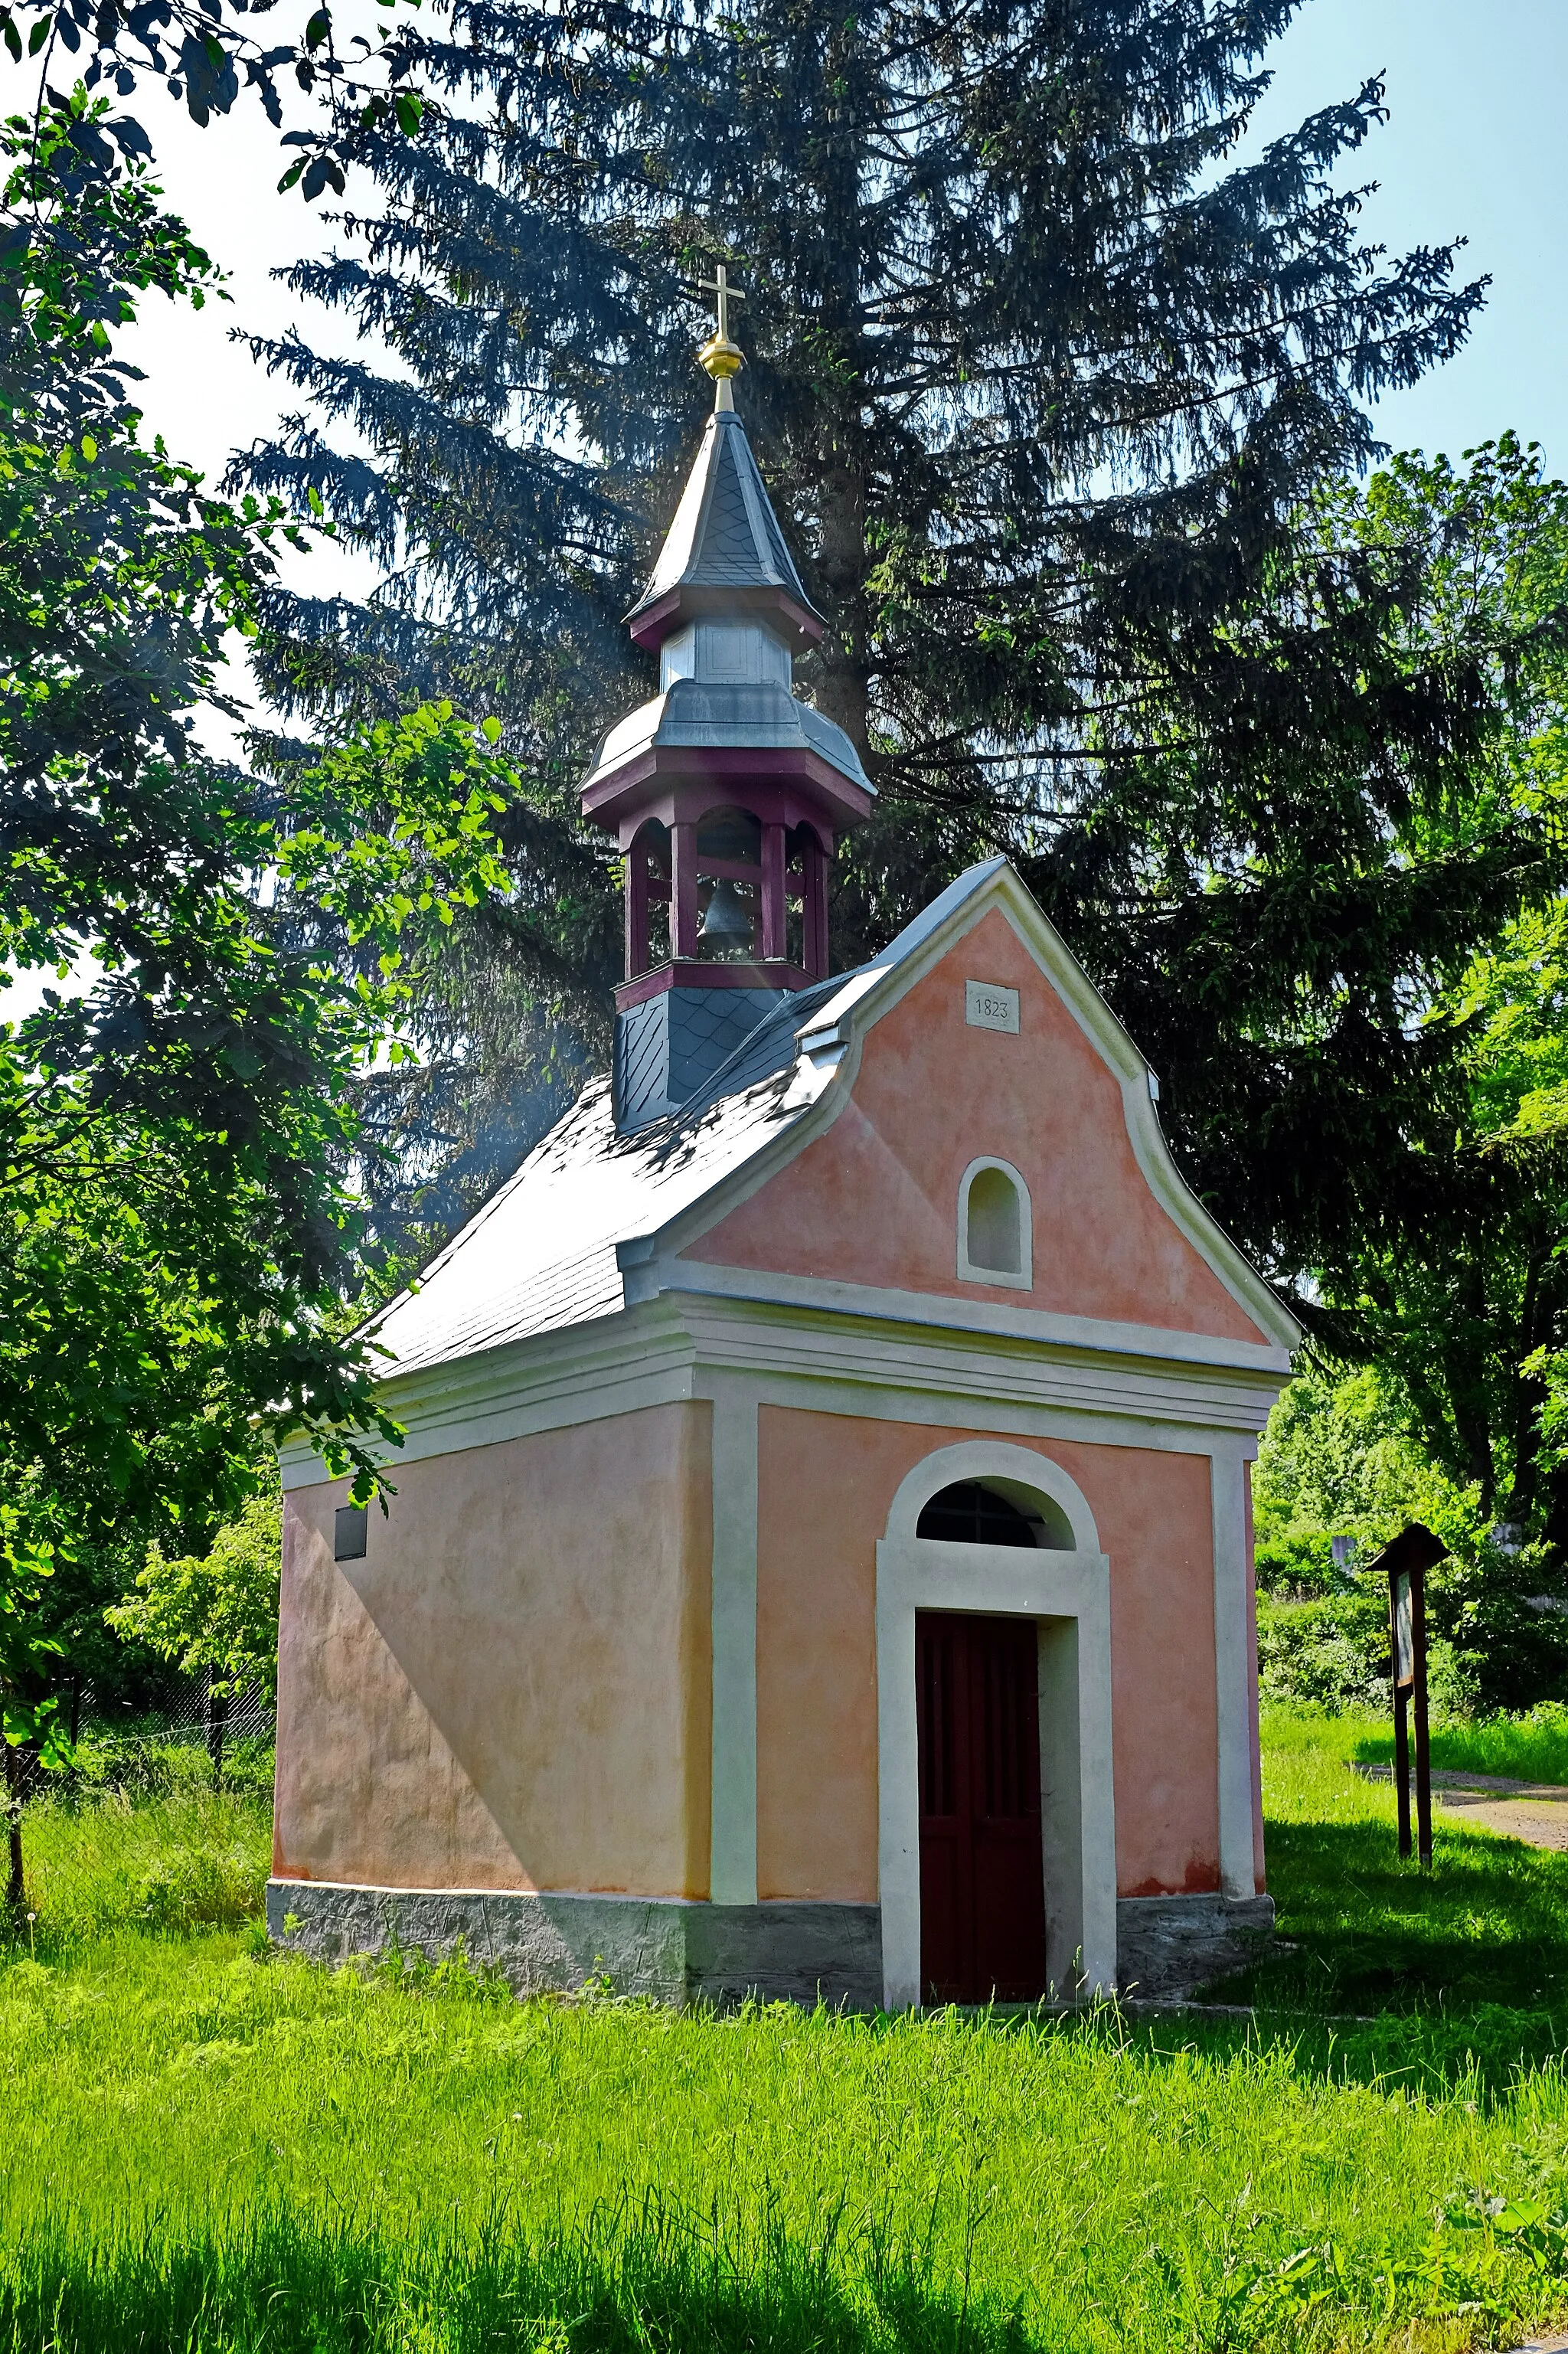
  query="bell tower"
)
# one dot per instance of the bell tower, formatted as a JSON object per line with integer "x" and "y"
{"x": 726, "y": 793}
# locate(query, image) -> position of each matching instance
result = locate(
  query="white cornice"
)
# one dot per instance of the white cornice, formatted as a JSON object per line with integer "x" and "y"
{"x": 685, "y": 1345}
{"x": 863, "y": 1357}
{"x": 942, "y": 1313}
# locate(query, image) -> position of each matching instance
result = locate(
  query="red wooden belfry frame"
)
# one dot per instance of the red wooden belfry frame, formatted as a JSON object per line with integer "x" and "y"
{"x": 1405, "y": 1562}
{"x": 775, "y": 879}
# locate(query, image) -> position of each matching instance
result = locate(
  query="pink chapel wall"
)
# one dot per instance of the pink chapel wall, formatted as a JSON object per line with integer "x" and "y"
{"x": 826, "y": 1482}
{"x": 513, "y": 1689}
{"x": 874, "y": 1200}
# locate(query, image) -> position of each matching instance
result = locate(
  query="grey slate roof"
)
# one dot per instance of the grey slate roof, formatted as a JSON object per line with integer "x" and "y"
{"x": 541, "y": 1255}
{"x": 726, "y": 533}
{"x": 754, "y": 715}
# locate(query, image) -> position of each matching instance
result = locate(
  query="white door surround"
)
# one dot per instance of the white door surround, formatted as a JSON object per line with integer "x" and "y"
{"x": 1065, "y": 1586}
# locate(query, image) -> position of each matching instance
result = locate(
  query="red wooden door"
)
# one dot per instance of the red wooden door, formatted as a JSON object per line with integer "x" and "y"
{"x": 983, "y": 1883}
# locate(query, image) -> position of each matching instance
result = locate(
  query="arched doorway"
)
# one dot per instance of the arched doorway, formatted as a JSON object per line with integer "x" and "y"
{"x": 997, "y": 1851}
{"x": 977, "y": 1713}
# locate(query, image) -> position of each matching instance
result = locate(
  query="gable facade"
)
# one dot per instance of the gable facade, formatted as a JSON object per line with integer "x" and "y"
{"x": 872, "y": 1201}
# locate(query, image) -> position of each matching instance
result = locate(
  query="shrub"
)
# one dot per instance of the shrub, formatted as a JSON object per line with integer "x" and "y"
{"x": 1330, "y": 1654}
{"x": 1494, "y": 1607}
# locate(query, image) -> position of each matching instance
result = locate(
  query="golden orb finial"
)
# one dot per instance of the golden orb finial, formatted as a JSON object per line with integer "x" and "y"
{"x": 719, "y": 356}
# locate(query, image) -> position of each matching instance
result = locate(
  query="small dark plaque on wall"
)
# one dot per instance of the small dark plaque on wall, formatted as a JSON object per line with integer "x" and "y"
{"x": 349, "y": 1531}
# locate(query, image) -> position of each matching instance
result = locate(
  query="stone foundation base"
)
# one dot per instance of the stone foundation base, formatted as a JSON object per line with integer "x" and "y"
{"x": 678, "y": 1952}
{"x": 674, "y": 1951}
{"x": 1167, "y": 1947}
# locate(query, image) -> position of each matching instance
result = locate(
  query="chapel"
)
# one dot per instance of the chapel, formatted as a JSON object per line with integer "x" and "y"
{"x": 821, "y": 1558}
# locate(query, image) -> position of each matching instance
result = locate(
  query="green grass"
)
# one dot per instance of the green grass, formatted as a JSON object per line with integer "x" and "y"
{"x": 1531, "y": 1747}
{"x": 177, "y": 1857}
{"x": 1485, "y": 1933}
{"x": 209, "y": 2151}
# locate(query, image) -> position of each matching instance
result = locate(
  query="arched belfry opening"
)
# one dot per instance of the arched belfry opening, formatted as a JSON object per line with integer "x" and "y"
{"x": 726, "y": 793}
{"x": 755, "y": 900}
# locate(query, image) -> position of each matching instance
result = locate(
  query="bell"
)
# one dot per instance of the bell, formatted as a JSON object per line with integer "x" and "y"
{"x": 727, "y": 923}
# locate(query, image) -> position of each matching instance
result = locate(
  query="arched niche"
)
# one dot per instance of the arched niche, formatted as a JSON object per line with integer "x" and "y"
{"x": 996, "y": 1226}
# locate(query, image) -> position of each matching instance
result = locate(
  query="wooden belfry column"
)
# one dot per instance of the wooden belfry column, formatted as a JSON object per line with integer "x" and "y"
{"x": 683, "y": 902}
{"x": 814, "y": 908}
{"x": 775, "y": 909}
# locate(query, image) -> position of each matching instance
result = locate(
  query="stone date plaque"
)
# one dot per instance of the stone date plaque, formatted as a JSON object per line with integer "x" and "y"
{"x": 988, "y": 1006}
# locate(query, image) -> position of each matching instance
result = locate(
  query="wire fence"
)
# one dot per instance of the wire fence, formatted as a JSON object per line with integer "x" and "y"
{"x": 146, "y": 1748}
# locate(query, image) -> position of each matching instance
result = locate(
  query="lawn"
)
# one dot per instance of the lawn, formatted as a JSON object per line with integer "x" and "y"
{"x": 1531, "y": 1747}
{"x": 1485, "y": 1931}
{"x": 208, "y": 2149}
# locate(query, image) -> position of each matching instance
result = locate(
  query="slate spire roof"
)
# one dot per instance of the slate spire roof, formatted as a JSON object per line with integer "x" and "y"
{"x": 724, "y": 538}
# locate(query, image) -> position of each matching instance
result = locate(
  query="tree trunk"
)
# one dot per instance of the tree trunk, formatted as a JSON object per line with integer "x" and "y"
{"x": 216, "y": 1722}
{"x": 16, "y": 1892}
{"x": 1529, "y": 1397}
{"x": 842, "y": 685}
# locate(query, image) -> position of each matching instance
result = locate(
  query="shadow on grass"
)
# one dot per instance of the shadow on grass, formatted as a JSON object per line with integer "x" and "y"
{"x": 1482, "y": 2052}
{"x": 284, "y": 2286}
{"x": 1487, "y": 1925}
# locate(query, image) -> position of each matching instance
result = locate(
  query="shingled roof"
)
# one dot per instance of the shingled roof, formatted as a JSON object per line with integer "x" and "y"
{"x": 724, "y": 535}
{"x": 550, "y": 1249}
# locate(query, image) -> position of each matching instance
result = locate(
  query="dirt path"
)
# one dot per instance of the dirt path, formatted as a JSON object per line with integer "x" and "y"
{"x": 1535, "y": 1812}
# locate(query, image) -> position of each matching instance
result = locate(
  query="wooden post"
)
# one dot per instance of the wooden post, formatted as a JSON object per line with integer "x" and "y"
{"x": 683, "y": 893}
{"x": 1423, "y": 1740}
{"x": 775, "y": 937}
{"x": 636, "y": 909}
{"x": 1402, "y": 1766}
{"x": 814, "y": 907}
{"x": 15, "y": 1885}
{"x": 216, "y": 1725}
{"x": 1405, "y": 1562}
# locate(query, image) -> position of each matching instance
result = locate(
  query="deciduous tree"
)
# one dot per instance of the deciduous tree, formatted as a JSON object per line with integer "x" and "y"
{"x": 177, "y": 1212}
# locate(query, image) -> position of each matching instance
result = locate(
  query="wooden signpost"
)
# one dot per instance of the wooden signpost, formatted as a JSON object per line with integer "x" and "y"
{"x": 1405, "y": 1562}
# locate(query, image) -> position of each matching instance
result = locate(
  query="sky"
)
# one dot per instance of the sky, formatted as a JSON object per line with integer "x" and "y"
{"x": 1473, "y": 148}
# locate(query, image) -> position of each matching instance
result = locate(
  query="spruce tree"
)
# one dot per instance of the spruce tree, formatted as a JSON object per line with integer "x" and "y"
{"x": 1042, "y": 374}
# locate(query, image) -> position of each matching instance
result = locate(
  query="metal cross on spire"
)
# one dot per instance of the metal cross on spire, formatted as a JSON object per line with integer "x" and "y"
{"x": 720, "y": 356}
{"x": 724, "y": 294}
